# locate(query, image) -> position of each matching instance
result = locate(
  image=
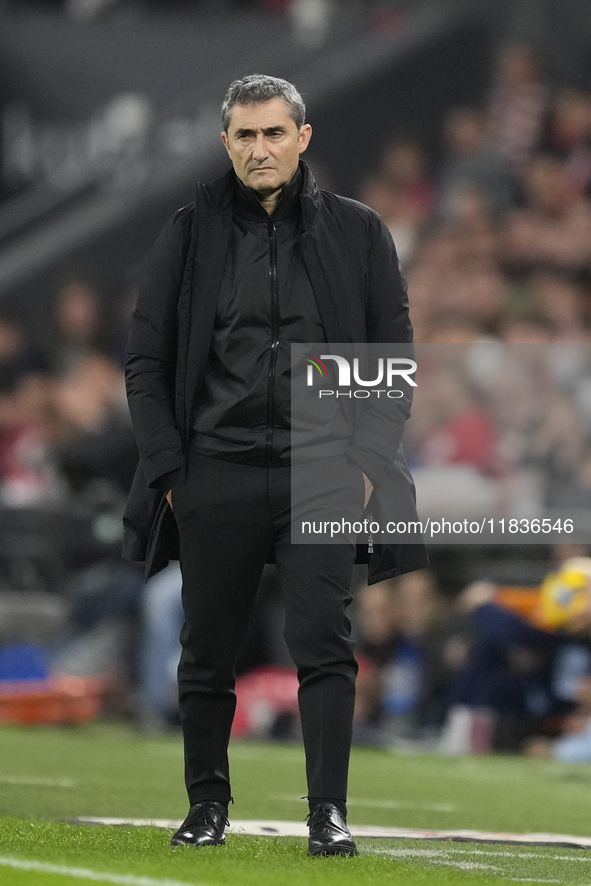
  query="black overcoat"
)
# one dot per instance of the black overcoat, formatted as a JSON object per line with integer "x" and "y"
{"x": 352, "y": 265}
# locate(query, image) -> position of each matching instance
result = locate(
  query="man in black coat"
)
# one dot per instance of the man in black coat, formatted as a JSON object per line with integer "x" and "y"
{"x": 262, "y": 259}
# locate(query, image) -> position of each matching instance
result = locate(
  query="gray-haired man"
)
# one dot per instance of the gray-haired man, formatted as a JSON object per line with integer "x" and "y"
{"x": 260, "y": 260}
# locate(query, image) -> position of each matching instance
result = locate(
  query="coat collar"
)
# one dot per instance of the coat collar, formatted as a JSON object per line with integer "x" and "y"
{"x": 247, "y": 204}
{"x": 216, "y": 197}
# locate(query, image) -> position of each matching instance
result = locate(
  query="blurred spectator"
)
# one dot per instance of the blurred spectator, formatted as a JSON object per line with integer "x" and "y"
{"x": 77, "y": 324}
{"x": 505, "y": 683}
{"x": 570, "y": 135}
{"x": 401, "y": 693}
{"x": 97, "y": 441}
{"x": 563, "y": 302}
{"x": 102, "y": 634}
{"x": 517, "y": 104}
{"x": 460, "y": 433}
{"x": 160, "y": 649}
{"x": 471, "y": 163}
{"x": 402, "y": 191}
{"x": 477, "y": 290}
{"x": 553, "y": 226}
{"x": 529, "y": 650}
{"x": 27, "y": 472}
{"x": 574, "y": 743}
{"x": 17, "y": 354}
{"x": 451, "y": 447}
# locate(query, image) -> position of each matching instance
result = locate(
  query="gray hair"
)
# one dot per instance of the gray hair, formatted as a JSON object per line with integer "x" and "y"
{"x": 258, "y": 88}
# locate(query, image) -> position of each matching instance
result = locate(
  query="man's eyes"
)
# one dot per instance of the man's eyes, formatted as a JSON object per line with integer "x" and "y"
{"x": 275, "y": 133}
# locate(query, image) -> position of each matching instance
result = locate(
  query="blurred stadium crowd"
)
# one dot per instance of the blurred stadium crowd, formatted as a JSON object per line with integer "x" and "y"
{"x": 496, "y": 246}
{"x": 495, "y": 240}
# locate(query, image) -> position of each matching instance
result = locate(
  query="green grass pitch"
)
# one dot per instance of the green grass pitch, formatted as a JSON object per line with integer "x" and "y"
{"x": 49, "y": 776}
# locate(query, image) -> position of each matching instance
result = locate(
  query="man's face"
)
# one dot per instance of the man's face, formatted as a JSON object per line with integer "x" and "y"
{"x": 264, "y": 144}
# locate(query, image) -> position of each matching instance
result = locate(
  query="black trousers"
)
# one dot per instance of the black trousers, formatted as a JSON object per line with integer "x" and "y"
{"x": 229, "y": 516}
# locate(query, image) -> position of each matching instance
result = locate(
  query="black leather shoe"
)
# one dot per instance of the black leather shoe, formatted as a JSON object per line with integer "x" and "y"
{"x": 329, "y": 834}
{"x": 203, "y": 826}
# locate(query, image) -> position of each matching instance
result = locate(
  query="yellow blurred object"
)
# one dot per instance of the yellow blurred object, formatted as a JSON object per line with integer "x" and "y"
{"x": 565, "y": 593}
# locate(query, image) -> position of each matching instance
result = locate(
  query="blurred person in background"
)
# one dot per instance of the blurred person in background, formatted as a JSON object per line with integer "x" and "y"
{"x": 478, "y": 292}
{"x": 573, "y": 745}
{"x": 552, "y": 227}
{"x": 517, "y": 103}
{"x": 470, "y": 162}
{"x": 461, "y": 432}
{"x": 530, "y": 648}
{"x": 402, "y": 191}
{"x": 560, "y": 299}
{"x": 97, "y": 441}
{"x": 77, "y": 323}
{"x": 451, "y": 447}
{"x": 162, "y": 620}
{"x": 409, "y": 652}
{"x": 28, "y": 473}
{"x": 570, "y": 135}
{"x": 473, "y": 222}
{"x": 18, "y": 354}
{"x": 375, "y": 621}
{"x": 95, "y": 455}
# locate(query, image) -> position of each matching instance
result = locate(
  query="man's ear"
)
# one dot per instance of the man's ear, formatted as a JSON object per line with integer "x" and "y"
{"x": 304, "y": 137}
{"x": 225, "y": 141}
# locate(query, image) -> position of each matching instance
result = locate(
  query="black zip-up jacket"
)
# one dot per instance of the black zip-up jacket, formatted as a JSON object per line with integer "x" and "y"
{"x": 351, "y": 262}
{"x": 265, "y": 303}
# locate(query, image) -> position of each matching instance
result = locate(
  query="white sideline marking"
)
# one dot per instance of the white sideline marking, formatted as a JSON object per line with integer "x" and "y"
{"x": 34, "y": 782}
{"x": 400, "y": 804}
{"x": 469, "y": 865}
{"x": 378, "y": 804}
{"x": 265, "y": 828}
{"x": 441, "y": 856}
{"x": 491, "y": 853}
{"x": 87, "y": 874}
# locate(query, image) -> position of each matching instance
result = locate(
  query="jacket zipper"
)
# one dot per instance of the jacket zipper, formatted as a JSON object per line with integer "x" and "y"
{"x": 272, "y": 231}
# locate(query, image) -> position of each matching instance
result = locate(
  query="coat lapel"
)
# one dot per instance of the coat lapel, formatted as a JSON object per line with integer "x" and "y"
{"x": 325, "y": 254}
{"x": 206, "y": 261}
{"x": 321, "y": 290}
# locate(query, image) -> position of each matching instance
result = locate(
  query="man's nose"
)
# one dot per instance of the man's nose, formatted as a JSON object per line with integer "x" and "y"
{"x": 260, "y": 148}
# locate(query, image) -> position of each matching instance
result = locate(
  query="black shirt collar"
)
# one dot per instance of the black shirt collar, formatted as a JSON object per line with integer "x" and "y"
{"x": 247, "y": 204}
